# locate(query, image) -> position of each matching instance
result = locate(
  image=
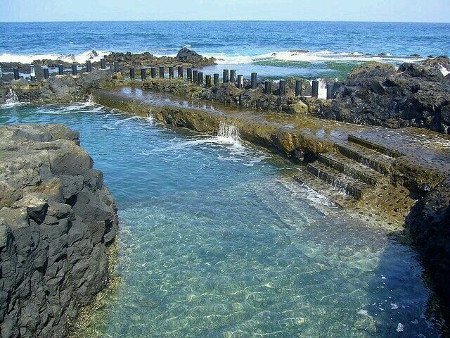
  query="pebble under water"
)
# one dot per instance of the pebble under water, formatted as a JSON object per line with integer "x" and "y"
{"x": 218, "y": 240}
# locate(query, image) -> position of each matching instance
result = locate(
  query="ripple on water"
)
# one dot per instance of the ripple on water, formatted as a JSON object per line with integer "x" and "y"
{"x": 213, "y": 247}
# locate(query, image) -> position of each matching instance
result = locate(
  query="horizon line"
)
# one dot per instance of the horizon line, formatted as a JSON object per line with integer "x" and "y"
{"x": 227, "y": 20}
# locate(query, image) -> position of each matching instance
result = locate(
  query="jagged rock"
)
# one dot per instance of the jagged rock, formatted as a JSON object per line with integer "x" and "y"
{"x": 187, "y": 55}
{"x": 417, "y": 95}
{"x": 57, "y": 221}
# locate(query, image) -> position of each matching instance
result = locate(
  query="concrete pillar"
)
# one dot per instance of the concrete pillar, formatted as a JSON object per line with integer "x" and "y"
{"x": 32, "y": 73}
{"x": 216, "y": 79}
{"x": 315, "y": 88}
{"x": 189, "y": 74}
{"x": 208, "y": 81}
{"x": 60, "y": 70}
{"x": 16, "y": 73}
{"x": 171, "y": 73}
{"x": 226, "y": 76}
{"x": 268, "y": 87}
{"x": 88, "y": 66}
{"x": 74, "y": 69}
{"x": 330, "y": 91}
{"x": 180, "y": 72}
{"x": 161, "y": 72}
{"x": 200, "y": 78}
{"x": 132, "y": 74}
{"x": 194, "y": 75}
{"x": 46, "y": 73}
{"x": 240, "y": 81}
{"x": 254, "y": 82}
{"x": 103, "y": 63}
{"x": 282, "y": 87}
{"x": 143, "y": 74}
{"x": 153, "y": 72}
{"x": 233, "y": 76}
{"x": 298, "y": 87}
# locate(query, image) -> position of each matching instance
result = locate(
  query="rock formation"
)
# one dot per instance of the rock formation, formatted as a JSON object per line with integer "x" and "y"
{"x": 186, "y": 55}
{"x": 57, "y": 223}
{"x": 415, "y": 95}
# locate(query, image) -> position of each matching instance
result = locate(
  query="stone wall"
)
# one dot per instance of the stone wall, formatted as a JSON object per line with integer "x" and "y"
{"x": 57, "y": 223}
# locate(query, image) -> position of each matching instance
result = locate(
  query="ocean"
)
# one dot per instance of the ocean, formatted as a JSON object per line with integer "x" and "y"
{"x": 309, "y": 49}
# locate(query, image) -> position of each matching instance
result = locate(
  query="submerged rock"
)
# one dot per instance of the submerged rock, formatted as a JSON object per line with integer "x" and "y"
{"x": 57, "y": 223}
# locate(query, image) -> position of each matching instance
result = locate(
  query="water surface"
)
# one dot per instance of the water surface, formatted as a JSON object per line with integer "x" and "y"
{"x": 271, "y": 48}
{"x": 217, "y": 240}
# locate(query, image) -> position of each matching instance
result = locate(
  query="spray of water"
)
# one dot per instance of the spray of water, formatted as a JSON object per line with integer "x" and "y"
{"x": 228, "y": 133}
{"x": 11, "y": 97}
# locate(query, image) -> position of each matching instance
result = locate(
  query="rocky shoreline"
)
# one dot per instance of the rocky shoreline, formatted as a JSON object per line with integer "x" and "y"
{"x": 58, "y": 221}
{"x": 399, "y": 176}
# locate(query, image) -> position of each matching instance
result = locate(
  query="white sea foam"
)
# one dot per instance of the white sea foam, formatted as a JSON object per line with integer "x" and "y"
{"x": 363, "y": 312}
{"x": 307, "y": 56}
{"x": 400, "y": 327}
{"x": 444, "y": 71}
{"x": 29, "y": 58}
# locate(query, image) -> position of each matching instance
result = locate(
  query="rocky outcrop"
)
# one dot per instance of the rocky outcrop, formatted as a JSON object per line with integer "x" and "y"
{"x": 186, "y": 55}
{"x": 57, "y": 223}
{"x": 415, "y": 94}
{"x": 59, "y": 89}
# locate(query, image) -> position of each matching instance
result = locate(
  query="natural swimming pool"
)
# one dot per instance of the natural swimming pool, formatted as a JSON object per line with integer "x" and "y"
{"x": 218, "y": 240}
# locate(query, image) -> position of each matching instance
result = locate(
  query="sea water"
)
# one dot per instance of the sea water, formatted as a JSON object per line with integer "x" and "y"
{"x": 270, "y": 48}
{"x": 216, "y": 239}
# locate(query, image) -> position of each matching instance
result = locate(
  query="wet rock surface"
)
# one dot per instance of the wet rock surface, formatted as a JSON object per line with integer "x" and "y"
{"x": 415, "y": 94}
{"x": 57, "y": 223}
{"x": 58, "y": 89}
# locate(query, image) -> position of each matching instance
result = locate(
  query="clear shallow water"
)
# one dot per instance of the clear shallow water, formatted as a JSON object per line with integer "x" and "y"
{"x": 218, "y": 241}
{"x": 322, "y": 48}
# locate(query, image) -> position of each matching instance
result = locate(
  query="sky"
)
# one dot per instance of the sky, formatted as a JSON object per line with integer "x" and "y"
{"x": 298, "y": 10}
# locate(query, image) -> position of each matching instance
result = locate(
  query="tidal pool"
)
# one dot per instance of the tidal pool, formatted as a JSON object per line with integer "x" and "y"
{"x": 218, "y": 240}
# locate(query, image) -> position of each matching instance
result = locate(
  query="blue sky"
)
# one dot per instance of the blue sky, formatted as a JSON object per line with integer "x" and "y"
{"x": 326, "y": 10}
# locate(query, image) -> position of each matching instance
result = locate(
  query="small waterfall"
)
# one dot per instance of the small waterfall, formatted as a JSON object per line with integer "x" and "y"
{"x": 228, "y": 132}
{"x": 11, "y": 97}
{"x": 89, "y": 99}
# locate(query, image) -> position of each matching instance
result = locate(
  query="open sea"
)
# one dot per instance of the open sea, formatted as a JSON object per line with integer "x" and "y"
{"x": 309, "y": 49}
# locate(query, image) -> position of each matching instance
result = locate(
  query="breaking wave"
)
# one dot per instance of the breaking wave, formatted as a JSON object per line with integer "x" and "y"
{"x": 92, "y": 55}
{"x": 312, "y": 57}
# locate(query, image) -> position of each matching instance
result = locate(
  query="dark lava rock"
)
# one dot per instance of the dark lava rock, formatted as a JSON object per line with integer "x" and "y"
{"x": 416, "y": 95}
{"x": 57, "y": 222}
{"x": 187, "y": 55}
{"x": 429, "y": 224}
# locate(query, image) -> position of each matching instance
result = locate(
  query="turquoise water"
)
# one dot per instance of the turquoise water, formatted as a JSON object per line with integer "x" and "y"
{"x": 217, "y": 240}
